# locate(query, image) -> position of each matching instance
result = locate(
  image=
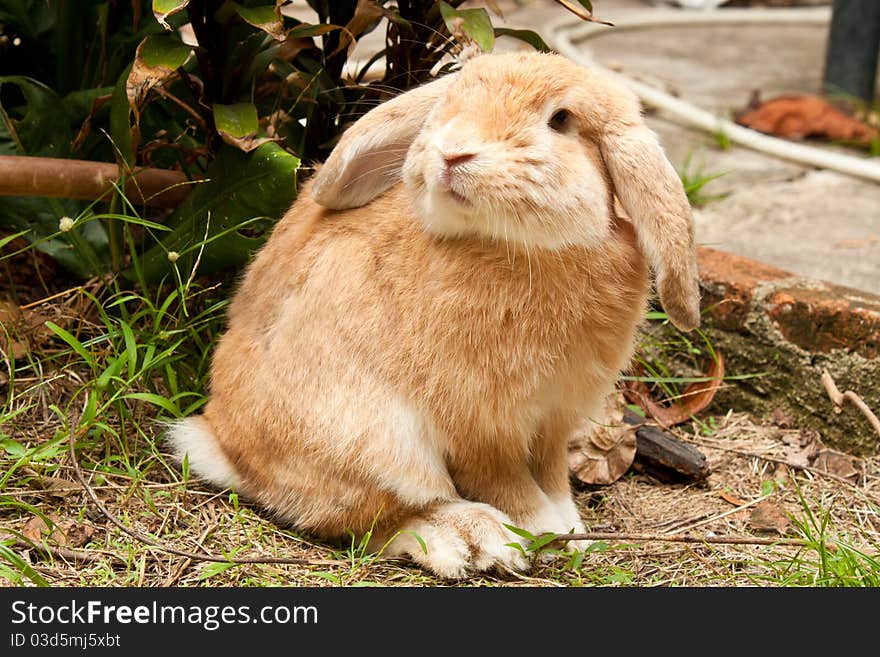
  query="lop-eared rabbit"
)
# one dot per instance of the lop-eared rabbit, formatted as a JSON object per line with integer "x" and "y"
{"x": 450, "y": 295}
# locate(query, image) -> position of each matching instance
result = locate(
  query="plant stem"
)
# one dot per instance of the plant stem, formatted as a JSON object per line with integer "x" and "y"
{"x": 115, "y": 236}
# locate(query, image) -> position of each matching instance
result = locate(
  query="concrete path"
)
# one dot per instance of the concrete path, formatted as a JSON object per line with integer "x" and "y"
{"x": 815, "y": 223}
{"x": 818, "y": 224}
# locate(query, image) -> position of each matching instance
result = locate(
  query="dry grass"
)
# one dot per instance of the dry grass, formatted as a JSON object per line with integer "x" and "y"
{"x": 190, "y": 517}
{"x": 130, "y": 474}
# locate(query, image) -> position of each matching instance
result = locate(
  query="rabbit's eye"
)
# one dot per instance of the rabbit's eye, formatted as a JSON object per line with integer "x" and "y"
{"x": 559, "y": 121}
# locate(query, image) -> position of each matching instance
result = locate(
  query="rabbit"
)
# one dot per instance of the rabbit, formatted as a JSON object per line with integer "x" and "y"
{"x": 449, "y": 296}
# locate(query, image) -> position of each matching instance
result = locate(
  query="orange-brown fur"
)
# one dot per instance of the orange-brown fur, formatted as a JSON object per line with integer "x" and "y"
{"x": 420, "y": 361}
{"x": 473, "y": 326}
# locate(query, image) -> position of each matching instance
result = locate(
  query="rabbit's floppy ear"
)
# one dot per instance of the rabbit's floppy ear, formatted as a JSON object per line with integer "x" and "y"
{"x": 369, "y": 156}
{"x": 653, "y": 196}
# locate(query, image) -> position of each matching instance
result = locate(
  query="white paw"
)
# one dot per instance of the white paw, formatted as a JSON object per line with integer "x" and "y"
{"x": 458, "y": 539}
{"x": 556, "y": 516}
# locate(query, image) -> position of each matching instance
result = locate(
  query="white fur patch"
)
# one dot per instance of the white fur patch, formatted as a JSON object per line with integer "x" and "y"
{"x": 413, "y": 458}
{"x": 452, "y": 554}
{"x": 546, "y": 518}
{"x": 191, "y": 437}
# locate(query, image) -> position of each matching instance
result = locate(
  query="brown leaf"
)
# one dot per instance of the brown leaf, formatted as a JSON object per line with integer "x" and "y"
{"x": 732, "y": 499}
{"x": 695, "y": 398}
{"x": 86, "y": 126}
{"x": 801, "y": 448}
{"x": 781, "y": 419}
{"x": 246, "y": 143}
{"x": 837, "y": 463}
{"x": 602, "y": 450}
{"x": 581, "y": 12}
{"x": 76, "y": 533}
{"x": 365, "y": 15}
{"x": 767, "y": 516}
{"x": 37, "y": 530}
{"x": 12, "y": 342}
{"x": 65, "y": 533}
{"x": 799, "y": 117}
{"x": 57, "y": 487}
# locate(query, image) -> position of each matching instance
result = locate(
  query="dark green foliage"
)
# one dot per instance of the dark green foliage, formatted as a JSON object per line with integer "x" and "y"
{"x": 114, "y": 81}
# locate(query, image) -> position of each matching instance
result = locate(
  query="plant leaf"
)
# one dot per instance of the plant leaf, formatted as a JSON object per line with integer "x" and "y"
{"x": 469, "y": 25}
{"x": 74, "y": 344}
{"x": 695, "y": 397}
{"x": 304, "y": 30}
{"x": 243, "y": 189}
{"x": 264, "y": 17}
{"x": 527, "y": 36}
{"x": 44, "y": 126}
{"x": 156, "y": 400}
{"x": 162, "y": 9}
{"x": 584, "y": 11}
{"x": 238, "y": 125}
{"x": 157, "y": 59}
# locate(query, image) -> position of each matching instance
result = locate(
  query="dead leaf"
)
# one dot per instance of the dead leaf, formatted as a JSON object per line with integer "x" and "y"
{"x": 768, "y": 516}
{"x": 695, "y": 398}
{"x": 801, "y": 447}
{"x": 37, "y": 530}
{"x": 65, "y": 533}
{"x": 367, "y": 13}
{"x": 781, "y": 419}
{"x": 836, "y": 463}
{"x": 602, "y": 450}
{"x": 76, "y": 533}
{"x": 731, "y": 499}
{"x": 802, "y": 116}
{"x": 56, "y": 486}
{"x": 12, "y": 342}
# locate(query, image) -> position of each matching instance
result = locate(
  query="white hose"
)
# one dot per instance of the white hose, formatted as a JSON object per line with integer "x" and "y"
{"x": 566, "y": 37}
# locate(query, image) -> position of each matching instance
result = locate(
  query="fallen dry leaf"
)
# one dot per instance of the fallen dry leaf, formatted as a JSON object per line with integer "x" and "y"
{"x": 802, "y": 116}
{"x": 56, "y": 486}
{"x": 836, "y": 463}
{"x": 801, "y": 447}
{"x": 767, "y": 516}
{"x": 695, "y": 398}
{"x": 65, "y": 533}
{"x": 11, "y": 320}
{"x": 76, "y": 533}
{"x": 602, "y": 450}
{"x": 732, "y": 499}
{"x": 781, "y": 419}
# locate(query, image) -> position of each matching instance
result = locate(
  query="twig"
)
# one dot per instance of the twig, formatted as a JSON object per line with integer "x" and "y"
{"x": 737, "y": 509}
{"x": 65, "y": 553}
{"x": 681, "y": 538}
{"x": 149, "y": 540}
{"x": 805, "y": 468}
{"x": 838, "y": 399}
{"x": 186, "y": 563}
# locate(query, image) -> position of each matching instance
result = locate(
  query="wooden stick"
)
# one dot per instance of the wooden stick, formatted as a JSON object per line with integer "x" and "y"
{"x": 78, "y": 556}
{"x": 660, "y": 454}
{"x": 838, "y": 399}
{"x": 21, "y": 175}
{"x": 681, "y": 538}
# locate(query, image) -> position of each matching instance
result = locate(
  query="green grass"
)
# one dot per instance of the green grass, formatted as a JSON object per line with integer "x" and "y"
{"x": 694, "y": 179}
{"x": 828, "y": 558}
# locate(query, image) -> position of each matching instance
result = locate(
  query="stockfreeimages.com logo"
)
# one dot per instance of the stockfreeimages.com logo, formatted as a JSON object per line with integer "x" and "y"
{"x": 209, "y": 617}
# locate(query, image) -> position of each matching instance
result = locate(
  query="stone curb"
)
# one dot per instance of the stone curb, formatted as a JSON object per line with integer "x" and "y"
{"x": 789, "y": 329}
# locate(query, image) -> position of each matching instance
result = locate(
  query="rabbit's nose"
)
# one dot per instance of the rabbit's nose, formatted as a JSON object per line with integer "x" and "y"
{"x": 453, "y": 160}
